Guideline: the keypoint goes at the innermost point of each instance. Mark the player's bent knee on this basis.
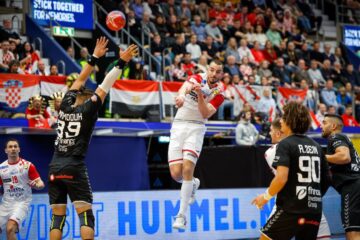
(87, 219)
(57, 222)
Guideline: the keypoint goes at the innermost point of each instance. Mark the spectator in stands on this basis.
(224, 29)
(305, 53)
(297, 37)
(6, 56)
(147, 26)
(193, 48)
(244, 51)
(209, 49)
(236, 30)
(138, 9)
(348, 118)
(343, 99)
(257, 53)
(213, 31)
(245, 132)
(326, 69)
(14, 67)
(138, 72)
(266, 103)
(14, 49)
(300, 74)
(188, 66)
(174, 27)
(228, 14)
(327, 53)
(288, 22)
(229, 98)
(282, 49)
(203, 12)
(264, 70)
(175, 72)
(157, 48)
(328, 94)
(54, 70)
(282, 73)
(7, 32)
(232, 50)
(185, 28)
(231, 67)
(54, 107)
(315, 53)
(322, 110)
(70, 51)
(36, 109)
(41, 71)
(315, 74)
(161, 27)
(202, 64)
(28, 57)
(352, 77)
(198, 29)
(84, 54)
(184, 10)
(303, 22)
(291, 55)
(260, 36)
(311, 95)
(245, 68)
(307, 10)
(337, 75)
(152, 8)
(179, 48)
(134, 25)
(339, 57)
(269, 52)
(248, 30)
(273, 35)
(170, 8)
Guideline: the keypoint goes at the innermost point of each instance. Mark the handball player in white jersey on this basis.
(276, 137)
(198, 99)
(17, 176)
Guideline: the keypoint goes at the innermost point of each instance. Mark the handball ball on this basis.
(115, 20)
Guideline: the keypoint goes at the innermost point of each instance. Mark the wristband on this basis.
(121, 64)
(267, 195)
(93, 60)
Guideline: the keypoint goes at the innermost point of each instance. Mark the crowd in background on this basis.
(261, 43)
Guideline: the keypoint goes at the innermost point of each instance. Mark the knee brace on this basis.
(87, 219)
(57, 222)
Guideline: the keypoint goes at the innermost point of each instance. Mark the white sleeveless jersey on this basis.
(270, 156)
(190, 111)
(15, 180)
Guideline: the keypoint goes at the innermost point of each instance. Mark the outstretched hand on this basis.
(101, 47)
(129, 53)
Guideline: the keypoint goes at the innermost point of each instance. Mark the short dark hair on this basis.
(11, 140)
(276, 123)
(297, 117)
(337, 118)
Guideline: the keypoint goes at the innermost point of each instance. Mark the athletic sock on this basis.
(185, 194)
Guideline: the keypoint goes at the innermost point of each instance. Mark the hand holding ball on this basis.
(115, 20)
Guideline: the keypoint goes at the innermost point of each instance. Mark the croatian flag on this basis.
(132, 98)
(289, 94)
(16, 90)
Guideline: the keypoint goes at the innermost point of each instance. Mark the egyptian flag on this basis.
(134, 98)
(51, 84)
(169, 92)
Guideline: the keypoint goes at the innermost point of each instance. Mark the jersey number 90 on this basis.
(70, 131)
(310, 169)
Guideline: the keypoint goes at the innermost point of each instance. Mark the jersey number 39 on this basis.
(70, 131)
(310, 169)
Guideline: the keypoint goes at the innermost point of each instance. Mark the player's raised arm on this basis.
(99, 51)
(111, 77)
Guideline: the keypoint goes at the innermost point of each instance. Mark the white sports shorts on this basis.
(186, 140)
(14, 211)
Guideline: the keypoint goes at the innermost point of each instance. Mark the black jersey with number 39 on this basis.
(74, 128)
(307, 169)
(344, 172)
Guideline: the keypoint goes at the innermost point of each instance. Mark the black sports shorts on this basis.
(350, 206)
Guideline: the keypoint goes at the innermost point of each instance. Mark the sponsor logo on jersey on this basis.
(355, 167)
(301, 192)
(4, 167)
(6, 180)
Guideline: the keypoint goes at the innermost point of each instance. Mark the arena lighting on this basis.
(145, 133)
(13, 130)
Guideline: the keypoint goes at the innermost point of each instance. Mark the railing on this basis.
(40, 45)
(61, 63)
(15, 17)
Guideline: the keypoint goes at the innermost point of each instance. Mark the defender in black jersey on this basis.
(75, 124)
(344, 164)
(300, 182)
